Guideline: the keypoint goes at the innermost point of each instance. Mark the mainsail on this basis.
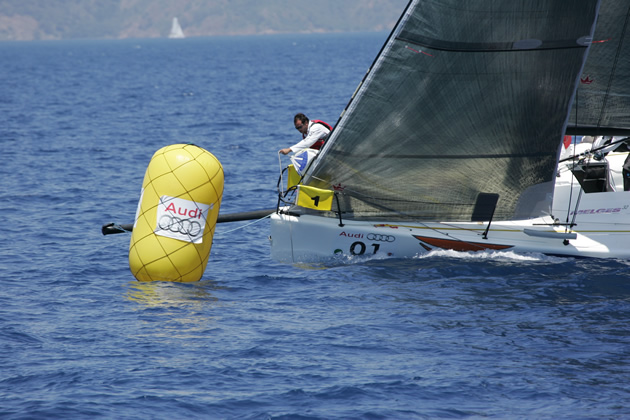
(603, 95)
(176, 30)
(466, 100)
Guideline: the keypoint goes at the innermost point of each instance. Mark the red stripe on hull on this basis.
(459, 245)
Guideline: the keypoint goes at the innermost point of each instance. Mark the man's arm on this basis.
(316, 132)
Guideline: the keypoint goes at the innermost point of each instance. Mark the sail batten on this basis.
(470, 156)
(438, 122)
(525, 44)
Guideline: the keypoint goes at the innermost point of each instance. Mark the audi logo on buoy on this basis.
(179, 225)
(380, 238)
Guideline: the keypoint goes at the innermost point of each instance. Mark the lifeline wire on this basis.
(263, 218)
(244, 226)
(280, 165)
(573, 163)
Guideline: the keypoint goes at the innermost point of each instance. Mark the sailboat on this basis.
(455, 139)
(176, 30)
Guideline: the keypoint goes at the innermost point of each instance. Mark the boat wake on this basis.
(492, 255)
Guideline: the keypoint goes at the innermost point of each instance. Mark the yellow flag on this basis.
(294, 177)
(314, 198)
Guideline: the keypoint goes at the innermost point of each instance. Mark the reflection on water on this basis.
(175, 312)
(168, 294)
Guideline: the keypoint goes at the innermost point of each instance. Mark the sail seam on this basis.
(502, 156)
(491, 46)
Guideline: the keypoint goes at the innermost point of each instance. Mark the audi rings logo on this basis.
(179, 225)
(380, 238)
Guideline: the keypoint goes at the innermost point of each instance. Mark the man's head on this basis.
(301, 123)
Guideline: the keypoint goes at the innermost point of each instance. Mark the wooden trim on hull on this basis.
(456, 245)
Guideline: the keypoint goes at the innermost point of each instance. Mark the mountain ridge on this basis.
(120, 19)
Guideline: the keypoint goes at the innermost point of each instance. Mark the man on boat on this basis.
(314, 133)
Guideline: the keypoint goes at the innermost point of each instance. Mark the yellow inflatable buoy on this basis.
(177, 214)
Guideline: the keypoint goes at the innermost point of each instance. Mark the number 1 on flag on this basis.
(314, 198)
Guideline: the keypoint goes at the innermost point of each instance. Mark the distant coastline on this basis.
(20, 21)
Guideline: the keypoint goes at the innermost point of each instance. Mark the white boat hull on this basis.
(600, 228)
(309, 238)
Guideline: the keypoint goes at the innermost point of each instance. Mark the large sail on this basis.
(603, 96)
(466, 100)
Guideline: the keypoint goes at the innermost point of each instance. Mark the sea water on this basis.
(447, 335)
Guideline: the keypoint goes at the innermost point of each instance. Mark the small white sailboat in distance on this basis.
(176, 30)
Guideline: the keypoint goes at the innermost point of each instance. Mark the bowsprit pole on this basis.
(113, 228)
